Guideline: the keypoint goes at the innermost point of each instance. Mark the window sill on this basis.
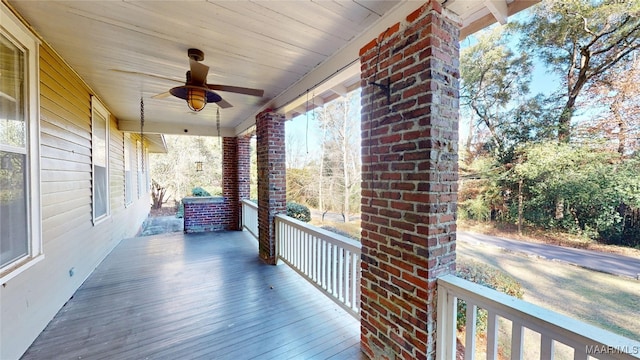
(16, 269)
(101, 219)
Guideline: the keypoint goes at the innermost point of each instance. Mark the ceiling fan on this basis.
(197, 92)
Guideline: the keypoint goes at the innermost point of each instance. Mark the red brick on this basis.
(412, 174)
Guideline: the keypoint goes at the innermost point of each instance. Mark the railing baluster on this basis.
(325, 263)
(517, 338)
(329, 261)
(470, 343)
(446, 325)
(580, 354)
(334, 270)
(355, 281)
(492, 336)
(546, 347)
(339, 274)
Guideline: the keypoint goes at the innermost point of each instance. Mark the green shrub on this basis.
(298, 211)
(485, 275)
(198, 191)
(474, 209)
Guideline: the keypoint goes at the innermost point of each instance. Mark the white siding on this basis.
(71, 241)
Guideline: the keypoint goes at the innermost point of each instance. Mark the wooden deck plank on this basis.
(196, 296)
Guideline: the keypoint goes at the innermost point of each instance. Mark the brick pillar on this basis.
(230, 184)
(271, 180)
(244, 167)
(409, 181)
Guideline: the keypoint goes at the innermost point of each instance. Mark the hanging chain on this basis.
(218, 126)
(142, 132)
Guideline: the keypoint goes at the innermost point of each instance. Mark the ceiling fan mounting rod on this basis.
(195, 54)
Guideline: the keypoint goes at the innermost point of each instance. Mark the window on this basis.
(128, 176)
(20, 238)
(100, 158)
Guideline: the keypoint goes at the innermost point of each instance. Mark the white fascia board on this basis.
(175, 129)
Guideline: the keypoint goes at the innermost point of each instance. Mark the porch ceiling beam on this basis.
(340, 90)
(168, 128)
(346, 59)
(499, 10)
(480, 23)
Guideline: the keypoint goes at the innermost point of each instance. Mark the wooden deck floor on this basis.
(198, 296)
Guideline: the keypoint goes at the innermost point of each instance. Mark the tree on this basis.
(339, 121)
(494, 82)
(619, 123)
(581, 40)
(176, 170)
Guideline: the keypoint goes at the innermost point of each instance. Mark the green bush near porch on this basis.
(298, 212)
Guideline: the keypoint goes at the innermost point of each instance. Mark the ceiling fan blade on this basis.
(198, 72)
(161, 95)
(147, 74)
(223, 104)
(236, 89)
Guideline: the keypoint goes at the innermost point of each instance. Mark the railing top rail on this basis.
(250, 203)
(331, 237)
(509, 307)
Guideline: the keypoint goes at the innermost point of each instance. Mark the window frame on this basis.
(13, 29)
(98, 108)
(128, 164)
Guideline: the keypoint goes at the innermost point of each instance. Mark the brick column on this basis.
(230, 179)
(244, 167)
(271, 180)
(236, 162)
(409, 181)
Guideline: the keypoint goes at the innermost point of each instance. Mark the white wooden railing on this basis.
(329, 261)
(585, 341)
(250, 217)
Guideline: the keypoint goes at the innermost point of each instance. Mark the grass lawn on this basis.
(603, 300)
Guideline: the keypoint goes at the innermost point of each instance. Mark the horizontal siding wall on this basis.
(70, 239)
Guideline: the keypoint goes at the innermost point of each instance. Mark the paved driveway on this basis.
(594, 260)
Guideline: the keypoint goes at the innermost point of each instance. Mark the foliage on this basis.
(513, 169)
(581, 176)
(302, 186)
(198, 191)
(488, 276)
(298, 211)
(580, 40)
(176, 169)
(493, 76)
(618, 122)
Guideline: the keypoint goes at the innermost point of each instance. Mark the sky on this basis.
(542, 82)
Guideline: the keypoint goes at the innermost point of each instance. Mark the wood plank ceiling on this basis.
(132, 48)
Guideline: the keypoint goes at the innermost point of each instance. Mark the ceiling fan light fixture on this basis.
(196, 97)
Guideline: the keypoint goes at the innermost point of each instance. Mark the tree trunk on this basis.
(520, 207)
(622, 130)
(559, 208)
(345, 170)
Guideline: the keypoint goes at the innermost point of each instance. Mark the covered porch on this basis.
(209, 295)
(188, 296)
